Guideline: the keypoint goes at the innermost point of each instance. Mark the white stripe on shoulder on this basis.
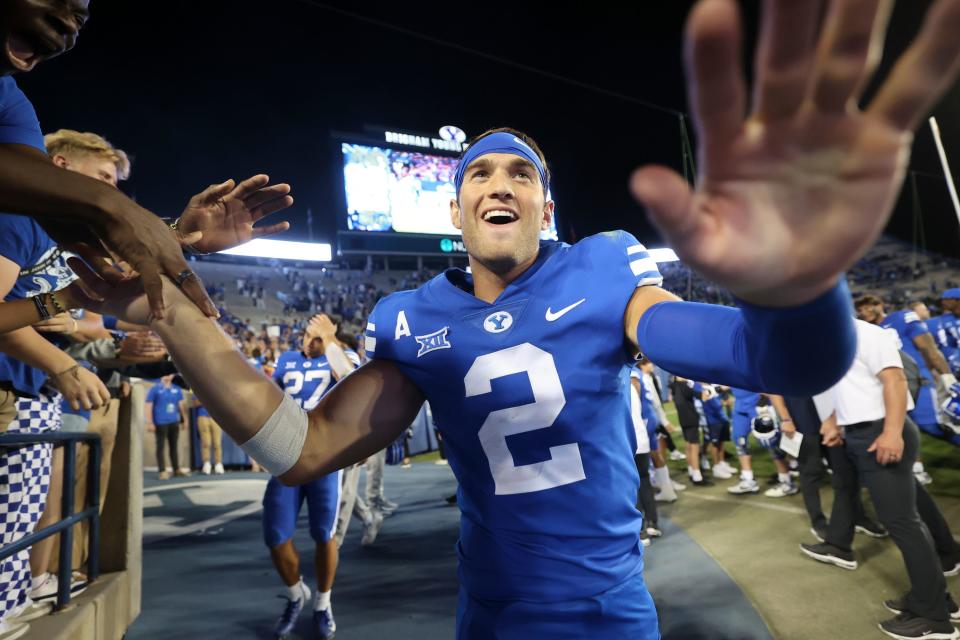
(643, 265)
(370, 345)
(637, 248)
(371, 327)
(651, 280)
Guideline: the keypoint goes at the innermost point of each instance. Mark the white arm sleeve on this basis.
(340, 364)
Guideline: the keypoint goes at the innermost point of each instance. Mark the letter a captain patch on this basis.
(433, 341)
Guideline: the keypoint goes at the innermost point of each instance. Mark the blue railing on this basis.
(65, 525)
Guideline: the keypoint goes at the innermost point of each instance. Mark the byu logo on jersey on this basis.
(433, 341)
(498, 322)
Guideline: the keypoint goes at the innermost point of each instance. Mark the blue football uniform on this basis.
(946, 331)
(530, 393)
(907, 325)
(647, 411)
(306, 380)
(744, 411)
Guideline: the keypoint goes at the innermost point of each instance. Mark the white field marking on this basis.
(757, 504)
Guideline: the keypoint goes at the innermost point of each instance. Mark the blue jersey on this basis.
(305, 379)
(166, 403)
(712, 406)
(43, 268)
(647, 410)
(745, 401)
(18, 120)
(907, 325)
(530, 393)
(946, 331)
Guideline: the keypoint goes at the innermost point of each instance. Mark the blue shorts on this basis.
(281, 506)
(717, 432)
(625, 612)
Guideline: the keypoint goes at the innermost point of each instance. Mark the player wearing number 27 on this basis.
(525, 362)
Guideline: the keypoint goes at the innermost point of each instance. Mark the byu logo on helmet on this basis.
(498, 322)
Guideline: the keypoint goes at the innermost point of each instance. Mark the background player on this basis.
(307, 375)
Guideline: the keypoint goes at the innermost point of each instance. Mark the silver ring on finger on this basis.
(183, 276)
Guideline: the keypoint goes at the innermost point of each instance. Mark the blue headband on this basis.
(502, 142)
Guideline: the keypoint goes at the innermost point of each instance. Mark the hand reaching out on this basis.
(791, 194)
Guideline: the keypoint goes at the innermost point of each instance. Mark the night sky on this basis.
(202, 90)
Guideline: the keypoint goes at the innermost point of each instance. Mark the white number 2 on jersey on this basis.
(293, 383)
(565, 465)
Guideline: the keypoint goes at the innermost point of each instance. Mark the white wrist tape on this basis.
(279, 443)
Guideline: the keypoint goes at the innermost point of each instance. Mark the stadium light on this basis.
(665, 254)
(283, 250)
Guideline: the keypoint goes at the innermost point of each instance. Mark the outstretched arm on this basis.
(360, 416)
(795, 183)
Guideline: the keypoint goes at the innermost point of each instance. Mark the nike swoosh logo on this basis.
(551, 316)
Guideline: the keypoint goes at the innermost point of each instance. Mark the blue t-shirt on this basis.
(530, 393)
(43, 268)
(907, 325)
(18, 120)
(166, 403)
(713, 411)
(306, 379)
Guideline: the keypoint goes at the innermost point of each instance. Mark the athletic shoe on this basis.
(206, 469)
(13, 630)
(820, 533)
(182, 473)
(678, 486)
(323, 624)
(701, 483)
(218, 469)
(387, 504)
(951, 566)
(654, 531)
(676, 455)
(744, 486)
(371, 528)
(871, 528)
(644, 538)
(441, 461)
(164, 475)
(659, 497)
(288, 619)
(47, 590)
(721, 472)
(782, 490)
(896, 606)
(405, 465)
(727, 467)
(830, 554)
(923, 478)
(907, 626)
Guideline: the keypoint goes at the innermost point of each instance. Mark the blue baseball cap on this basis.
(951, 294)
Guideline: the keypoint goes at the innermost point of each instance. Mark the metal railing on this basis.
(65, 525)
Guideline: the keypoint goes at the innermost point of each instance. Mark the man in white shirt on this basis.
(864, 418)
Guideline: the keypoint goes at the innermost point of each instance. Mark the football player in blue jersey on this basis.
(525, 360)
(915, 340)
(745, 410)
(306, 375)
(717, 430)
(943, 328)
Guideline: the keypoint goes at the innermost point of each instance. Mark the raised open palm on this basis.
(793, 193)
(225, 213)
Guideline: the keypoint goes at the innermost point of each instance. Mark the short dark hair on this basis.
(868, 299)
(520, 134)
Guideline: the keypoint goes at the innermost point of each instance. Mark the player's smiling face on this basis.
(32, 31)
(501, 211)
